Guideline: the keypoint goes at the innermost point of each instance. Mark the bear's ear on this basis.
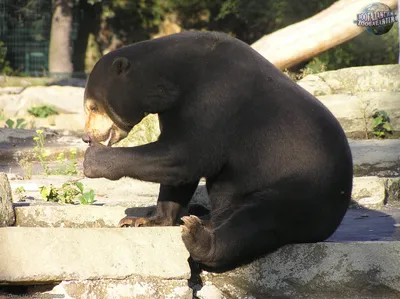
(121, 65)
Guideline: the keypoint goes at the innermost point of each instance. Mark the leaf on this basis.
(44, 192)
(88, 197)
(9, 123)
(79, 185)
(20, 121)
(377, 121)
(82, 199)
(387, 127)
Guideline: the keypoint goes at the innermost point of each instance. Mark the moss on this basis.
(146, 131)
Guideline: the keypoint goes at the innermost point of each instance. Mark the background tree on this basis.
(60, 50)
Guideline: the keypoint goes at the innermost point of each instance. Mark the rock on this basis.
(209, 291)
(322, 270)
(65, 99)
(11, 90)
(74, 122)
(141, 287)
(371, 157)
(393, 190)
(349, 109)
(57, 254)
(315, 85)
(146, 131)
(7, 216)
(21, 135)
(71, 216)
(356, 79)
(369, 191)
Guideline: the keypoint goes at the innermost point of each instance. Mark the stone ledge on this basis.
(322, 270)
(69, 216)
(139, 287)
(29, 255)
(372, 192)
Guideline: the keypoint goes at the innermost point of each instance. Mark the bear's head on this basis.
(124, 86)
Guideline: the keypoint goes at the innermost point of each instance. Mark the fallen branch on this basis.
(306, 39)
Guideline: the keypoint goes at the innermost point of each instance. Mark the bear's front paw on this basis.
(96, 163)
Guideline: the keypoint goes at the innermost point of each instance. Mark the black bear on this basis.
(277, 163)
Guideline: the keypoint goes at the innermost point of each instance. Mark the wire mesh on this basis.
(25, 30)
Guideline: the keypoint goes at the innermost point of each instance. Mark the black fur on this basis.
(277, 162)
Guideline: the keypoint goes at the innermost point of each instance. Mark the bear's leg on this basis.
(249, 232)
(171, 200)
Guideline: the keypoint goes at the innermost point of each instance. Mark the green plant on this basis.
(26, 163)
(49, 193)
(40, 152)
(86, 198)
(42, 111)
(19, 124)
(381, 124)
(20, 191)
(68, 193)
(67, 166)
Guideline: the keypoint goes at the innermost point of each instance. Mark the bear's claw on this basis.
(192, 224)
(133, 222)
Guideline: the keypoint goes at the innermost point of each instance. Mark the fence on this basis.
(25, 31)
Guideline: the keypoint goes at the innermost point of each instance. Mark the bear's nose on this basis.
(86, 138)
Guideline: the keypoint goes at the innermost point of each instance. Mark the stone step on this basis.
(323, 270)
(140, 262)
(31, 255)
(116, 199)
(376, 157)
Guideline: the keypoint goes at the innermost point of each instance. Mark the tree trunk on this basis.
(299, 42)
(89, 23)
(60, 62)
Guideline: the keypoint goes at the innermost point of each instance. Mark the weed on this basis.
(49, 193)
(67, 166)
(68, 193)
(363, 110)
(20, 124)
(381, 124)
(26, 163)
(20, 191)
(42, 111)
(86, 198)
(39, 151)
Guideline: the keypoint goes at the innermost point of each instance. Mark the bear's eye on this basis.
(93, 108)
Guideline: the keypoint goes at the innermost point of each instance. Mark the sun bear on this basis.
(277, 164)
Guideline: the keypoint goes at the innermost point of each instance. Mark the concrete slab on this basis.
(361, 224)
(69, 216)
(127, 288)
(47, 254)
(322, 270)
(136, 196)
(376, 157)
(7, 215)
(349, 109)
